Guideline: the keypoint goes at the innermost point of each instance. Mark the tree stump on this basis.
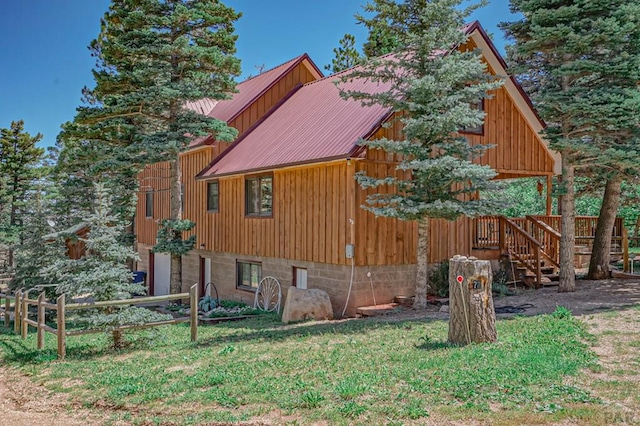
(472, 317)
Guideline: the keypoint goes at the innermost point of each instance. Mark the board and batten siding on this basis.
(517, 152)
(309, 220)
(155, 177)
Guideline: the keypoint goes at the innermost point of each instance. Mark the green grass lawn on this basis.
(365, 371)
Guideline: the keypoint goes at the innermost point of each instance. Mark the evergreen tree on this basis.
(580, 60)
(152, 58)
(38, 248)
(382, 38)
(346, 55)
(433, 89)
(102, 272)
(19, 160)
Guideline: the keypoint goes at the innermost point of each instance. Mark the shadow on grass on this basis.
(270, 328)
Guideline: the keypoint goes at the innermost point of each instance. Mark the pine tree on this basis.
(102, 272)
(580, 61)
(36, 252)
(19, 160)
(382, 38)
(434, 87)
(346, 55)
(152, 58)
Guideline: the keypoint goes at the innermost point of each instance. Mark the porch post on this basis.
(549, 189)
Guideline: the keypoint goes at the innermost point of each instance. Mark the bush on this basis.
(439, 279)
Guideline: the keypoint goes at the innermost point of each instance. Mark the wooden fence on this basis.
(21, 303)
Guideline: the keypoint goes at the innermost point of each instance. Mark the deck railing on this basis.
(548, 237)
(521, 246)
(547, 230)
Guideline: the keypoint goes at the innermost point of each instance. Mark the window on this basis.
(182, 197)
(249, 275)
(479, 129)
(148, 201)
(258, 196)
(300, 277)
(212, 196)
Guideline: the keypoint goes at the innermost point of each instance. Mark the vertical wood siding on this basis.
(518, 151)
(155, 177)
(308, 222)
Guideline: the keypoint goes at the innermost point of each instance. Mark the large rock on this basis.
(306, 304)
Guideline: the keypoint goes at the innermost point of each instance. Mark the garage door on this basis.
(161, 274)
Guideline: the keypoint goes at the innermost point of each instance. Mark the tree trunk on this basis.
(601, 251)
(176, 214)
(118, 339)
(471, 314)
(13, 218)
(422, 277)
(567, 275)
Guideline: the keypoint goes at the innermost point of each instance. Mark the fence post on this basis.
(625, 249)
(41, 300)
(62, 332)
(7, 307)
(24, 314)
(193, 306)
(16, 312)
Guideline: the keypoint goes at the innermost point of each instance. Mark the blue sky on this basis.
(45, 63)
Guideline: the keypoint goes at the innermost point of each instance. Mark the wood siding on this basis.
(309, 220)
(518, 151)
(155, 177)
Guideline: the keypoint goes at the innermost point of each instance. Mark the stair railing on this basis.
(549, 238)
(522, 246)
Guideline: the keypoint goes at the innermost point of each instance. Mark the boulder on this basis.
(306, 304)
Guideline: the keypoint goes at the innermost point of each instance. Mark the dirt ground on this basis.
(25, 403)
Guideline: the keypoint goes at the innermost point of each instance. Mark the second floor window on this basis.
(148, 201)
(479, 129)
(212, 196)
(259, 196)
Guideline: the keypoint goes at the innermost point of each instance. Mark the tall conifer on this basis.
(434, 88)
(580, 61)
(153, 57)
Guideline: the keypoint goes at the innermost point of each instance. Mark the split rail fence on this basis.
(21, 303)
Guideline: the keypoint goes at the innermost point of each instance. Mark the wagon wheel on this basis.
(268, 295)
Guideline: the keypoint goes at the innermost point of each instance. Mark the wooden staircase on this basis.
(532, 243)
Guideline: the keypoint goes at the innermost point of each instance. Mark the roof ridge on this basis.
(468, 28)
(272, 69)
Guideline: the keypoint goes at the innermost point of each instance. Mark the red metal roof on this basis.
(251, 89)
(247, 92)
(314, 124)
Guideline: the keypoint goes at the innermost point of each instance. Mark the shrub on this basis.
(439, 279)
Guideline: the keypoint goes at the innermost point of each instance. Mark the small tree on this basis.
(433, 88)
(346, 55)
(19, 160)
(37, 251)
(102, 272)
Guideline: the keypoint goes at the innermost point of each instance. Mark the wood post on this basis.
(24, 314)
(193, 306)
(40, 319)
(16, 312)
(549, 202)
(538, 261)
(625, 248)
(7, 307)
(472, 317)
(62, 331)
(502, 236)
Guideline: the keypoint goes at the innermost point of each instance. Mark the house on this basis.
(254, 98)
(282, 199)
